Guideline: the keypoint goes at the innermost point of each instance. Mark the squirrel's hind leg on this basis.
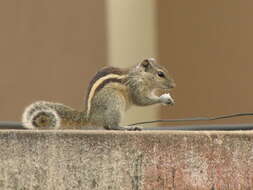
(107, 110)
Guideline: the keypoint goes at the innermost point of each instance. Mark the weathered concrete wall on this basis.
(107, 160)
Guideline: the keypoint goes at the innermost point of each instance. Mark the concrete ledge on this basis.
(101, 160)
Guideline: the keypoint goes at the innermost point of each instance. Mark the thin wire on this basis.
(11, 125)
(193, 119)
(18, 125)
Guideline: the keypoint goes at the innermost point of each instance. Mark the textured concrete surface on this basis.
(108, 160)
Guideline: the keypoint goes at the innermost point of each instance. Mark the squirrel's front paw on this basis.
(133, 128)
(167, 99)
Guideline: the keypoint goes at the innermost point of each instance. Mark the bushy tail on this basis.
(49, 115)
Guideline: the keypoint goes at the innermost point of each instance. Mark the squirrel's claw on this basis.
(133, 128)
(125, 128)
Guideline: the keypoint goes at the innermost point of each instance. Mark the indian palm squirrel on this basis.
(110, 93)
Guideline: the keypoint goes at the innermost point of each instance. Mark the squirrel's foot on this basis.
(133, 128)
(126, 128)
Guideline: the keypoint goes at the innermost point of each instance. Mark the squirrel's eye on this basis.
(160, 74)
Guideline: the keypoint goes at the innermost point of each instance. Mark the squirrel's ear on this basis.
(147, 63)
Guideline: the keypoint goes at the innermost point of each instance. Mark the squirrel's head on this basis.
(156, 75)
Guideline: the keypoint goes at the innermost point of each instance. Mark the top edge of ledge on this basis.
(146, 132)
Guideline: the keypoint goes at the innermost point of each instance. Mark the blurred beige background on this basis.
(208, 47)
(50, 49)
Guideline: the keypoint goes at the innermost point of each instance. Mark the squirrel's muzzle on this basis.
(171, 83)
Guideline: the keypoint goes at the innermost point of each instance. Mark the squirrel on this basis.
(110, 93)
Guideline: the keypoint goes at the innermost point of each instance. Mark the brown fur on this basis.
(103, 72)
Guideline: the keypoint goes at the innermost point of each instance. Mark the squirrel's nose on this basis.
(172, 84)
